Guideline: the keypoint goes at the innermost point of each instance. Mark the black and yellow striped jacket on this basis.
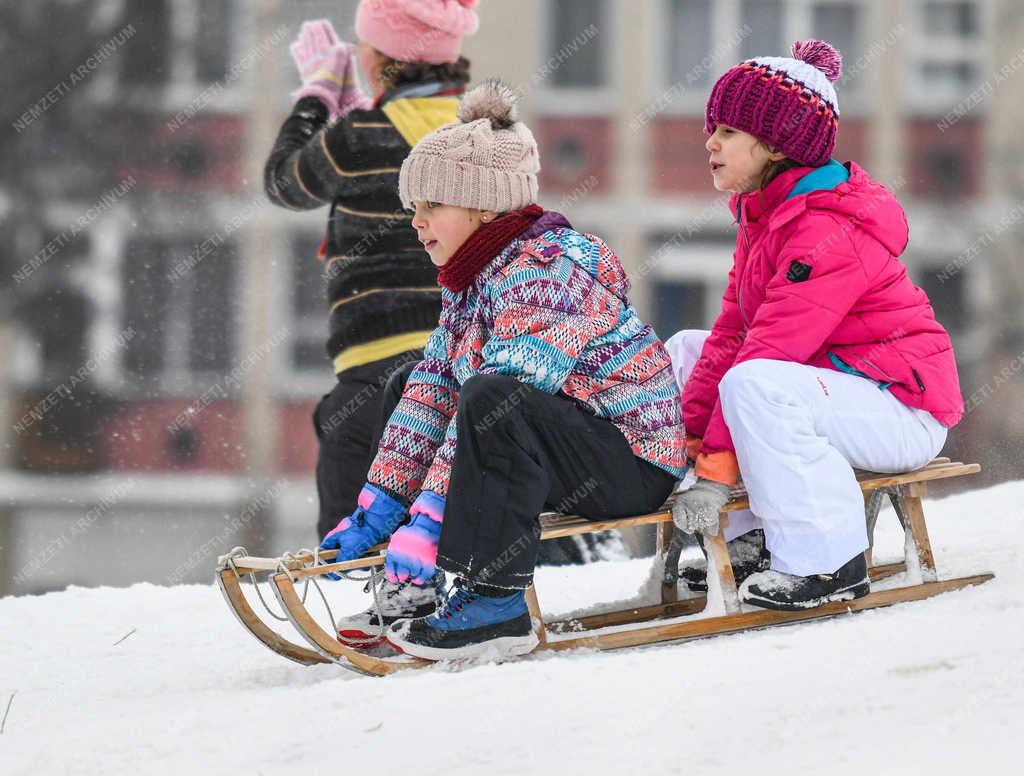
(381, 287)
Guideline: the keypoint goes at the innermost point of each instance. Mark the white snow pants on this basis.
(798, 431)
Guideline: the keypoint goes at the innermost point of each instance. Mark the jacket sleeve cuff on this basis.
(693, 444)
(719, 467)
(430, 504)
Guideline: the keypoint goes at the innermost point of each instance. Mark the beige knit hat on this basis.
(487, 160)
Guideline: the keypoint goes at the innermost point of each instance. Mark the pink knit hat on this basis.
(787, 103)
(487, 160)
(417, 30)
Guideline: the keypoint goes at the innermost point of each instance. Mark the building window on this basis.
(679, 304)
(764, 18)
(213, 39)
(688, 35)
(308, 306)
(699, 40)
(147, 58)
(839, 24)
(950, 77)
(577, 49)
(179, 303)
(688, 277)
(948, 54)
(947, 293)
(950, 19)
(945, 163)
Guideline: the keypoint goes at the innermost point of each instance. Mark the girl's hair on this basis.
(395, 73)
(775, 168)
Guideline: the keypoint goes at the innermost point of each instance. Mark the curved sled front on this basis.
(326, 644)
(230, 585)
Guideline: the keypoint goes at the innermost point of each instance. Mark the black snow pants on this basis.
(520, 452)
(348, 424)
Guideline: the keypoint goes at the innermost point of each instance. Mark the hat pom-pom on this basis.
(490, 100)
(821, 55)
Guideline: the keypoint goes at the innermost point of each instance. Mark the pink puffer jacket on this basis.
(818, 274)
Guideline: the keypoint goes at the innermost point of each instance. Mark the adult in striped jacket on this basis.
(338, 148)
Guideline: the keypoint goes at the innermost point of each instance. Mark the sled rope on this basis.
(372, 587)
(241, 552)
(270, 611)
(305, 587)
(282, 565)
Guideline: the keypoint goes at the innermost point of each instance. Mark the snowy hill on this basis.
(930, 687)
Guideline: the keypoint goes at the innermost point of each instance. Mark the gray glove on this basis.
(697, 509)
(694, 510)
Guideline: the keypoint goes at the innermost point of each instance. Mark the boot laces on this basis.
(455, 602)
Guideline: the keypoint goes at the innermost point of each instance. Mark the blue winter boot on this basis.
(469, 625)
(375, 519)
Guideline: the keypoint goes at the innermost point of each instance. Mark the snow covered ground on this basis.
(933, 687)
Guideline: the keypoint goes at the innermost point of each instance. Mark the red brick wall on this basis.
(931, 149)
(852, 142)
(296, 440)
(573, 150)
(137, 437)
(205, 153)
(679, 161)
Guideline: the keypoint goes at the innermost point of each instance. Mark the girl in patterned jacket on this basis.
(825, 356)
(540, 389)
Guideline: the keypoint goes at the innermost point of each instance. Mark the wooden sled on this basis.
(672, 619)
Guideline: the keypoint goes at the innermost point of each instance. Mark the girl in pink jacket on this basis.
(825, 355)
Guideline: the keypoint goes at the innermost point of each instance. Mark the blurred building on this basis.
(198, 307)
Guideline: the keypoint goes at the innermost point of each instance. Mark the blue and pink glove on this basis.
(412, 552)
(327, 68)
(375, 519)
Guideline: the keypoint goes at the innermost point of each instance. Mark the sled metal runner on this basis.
(719, 612)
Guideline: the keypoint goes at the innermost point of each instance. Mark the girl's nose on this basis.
(711, 144)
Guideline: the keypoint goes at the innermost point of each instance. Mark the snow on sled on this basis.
(671, 620)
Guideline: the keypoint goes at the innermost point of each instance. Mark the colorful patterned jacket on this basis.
(552, 311)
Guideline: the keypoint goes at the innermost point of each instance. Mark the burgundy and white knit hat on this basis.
(428, 31)
(487, 160)
(789, 103)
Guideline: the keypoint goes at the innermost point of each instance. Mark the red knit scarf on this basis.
(483, 245)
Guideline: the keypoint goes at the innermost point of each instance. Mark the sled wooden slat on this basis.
(669, 590)
(247, 563)
(673, 608)
(720, 566)
(538, 619)
(886, 570)
(922, 544)
(629, 616)
(555, 526)
(921, 475)
(758, 618)
(347, 565)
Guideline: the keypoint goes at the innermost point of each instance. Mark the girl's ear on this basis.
(776, 156)
(488, 215)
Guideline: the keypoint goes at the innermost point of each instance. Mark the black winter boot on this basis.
(790, 593)
(747, 553)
